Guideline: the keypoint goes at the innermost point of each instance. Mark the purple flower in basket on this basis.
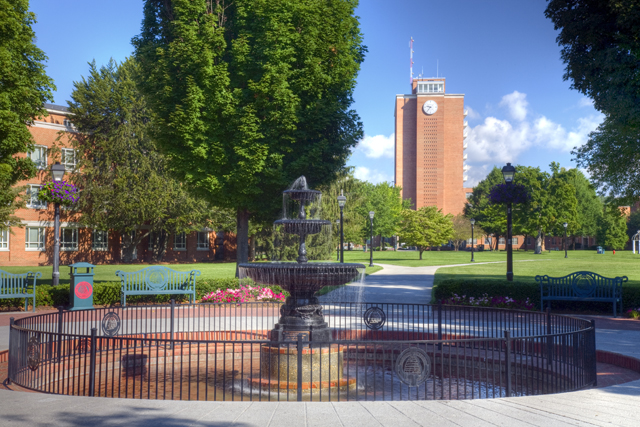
(61, 192)
(509, 193)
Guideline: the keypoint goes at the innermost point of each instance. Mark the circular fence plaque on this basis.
(413, 366)
(111, 324)
(33, 353)
(374, 318)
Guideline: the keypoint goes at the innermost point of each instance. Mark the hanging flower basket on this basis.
(61, 192)
(509, 193)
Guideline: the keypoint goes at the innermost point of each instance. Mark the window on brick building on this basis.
(68, 158)
(32, 197)
(430, 87)
(34, 239)
(514, 240)
(68, 239)
(501, 241)
(4, 240)
(180, 242)
(39, 156)
(99, 240)
(203, 240)
(528, 240)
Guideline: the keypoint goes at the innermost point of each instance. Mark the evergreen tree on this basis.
(125, 181)
(24, 88)
(251, 94)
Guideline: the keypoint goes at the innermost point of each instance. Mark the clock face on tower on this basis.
(430, 107)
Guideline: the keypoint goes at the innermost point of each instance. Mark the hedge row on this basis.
(108, 293)
(523, 290)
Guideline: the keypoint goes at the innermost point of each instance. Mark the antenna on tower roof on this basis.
(411, 65)
(437, 68)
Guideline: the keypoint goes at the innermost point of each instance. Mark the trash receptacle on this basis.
(600, 250)
(81, 289)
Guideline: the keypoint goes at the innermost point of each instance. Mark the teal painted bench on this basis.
(582, 286)
(157, 280)
(19, 286)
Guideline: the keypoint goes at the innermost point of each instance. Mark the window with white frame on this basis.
(514, 240)
(68, 158)
(34, 239)
(32, 197)
(180, 242)
(501, 241)
(203, 240)
(487, 240)
(430, 87)
(4, 240)
(68, 239)
(39, 156)
(99, 240)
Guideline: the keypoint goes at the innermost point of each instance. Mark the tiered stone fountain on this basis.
(301, 315)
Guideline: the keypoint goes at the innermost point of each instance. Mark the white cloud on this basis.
(585, 102)
(373, 176)
(516, 104)
(377, 146)
(472, 114)
(498, 141)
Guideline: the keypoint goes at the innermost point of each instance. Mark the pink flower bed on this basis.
(243, 294)
(487, 301)
(634, 313)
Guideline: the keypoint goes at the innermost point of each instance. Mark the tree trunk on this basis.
(242, 238)
(252, 248)
(381, 243)
(526, 248)
(421, 250)
(573, 238)
(159, 248)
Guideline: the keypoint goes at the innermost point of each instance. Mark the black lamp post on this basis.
(507, 173)
(57, 172)
(371, 213)
(338, 245)
(341, 202)
(473, 222)
(564, 224)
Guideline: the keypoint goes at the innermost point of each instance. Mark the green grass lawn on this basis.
(412, 258)
(623, 263)
(107, 273)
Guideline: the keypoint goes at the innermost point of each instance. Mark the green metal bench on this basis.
(19, 286)
(582, 286)
(157, 280)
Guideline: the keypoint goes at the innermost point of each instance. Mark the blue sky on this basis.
(501, 54)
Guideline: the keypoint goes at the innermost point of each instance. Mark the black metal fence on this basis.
(380, 352)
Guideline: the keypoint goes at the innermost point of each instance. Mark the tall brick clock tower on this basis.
(430, 131)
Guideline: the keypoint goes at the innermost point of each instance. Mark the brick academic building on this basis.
(33, 243)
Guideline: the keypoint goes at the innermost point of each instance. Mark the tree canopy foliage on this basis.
(612, 230)
(24, 88)
(251, 94)
(601, 50)
(425, 227)
(125, 181)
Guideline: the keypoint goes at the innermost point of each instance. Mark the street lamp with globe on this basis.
(371, 213)
(473, 222)
(564, 224)
(342, 200)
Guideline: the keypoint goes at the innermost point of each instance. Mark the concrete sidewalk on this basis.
(616, 405)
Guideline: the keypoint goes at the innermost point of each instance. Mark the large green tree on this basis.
(425, 227)
(251, 94)
(612, 230)
(489, 217)
(385, 201)
(24, 88)
(601, 50)
(125, 181)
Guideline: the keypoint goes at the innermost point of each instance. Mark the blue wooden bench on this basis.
(582, 286)
(157, 280)
(19, 286)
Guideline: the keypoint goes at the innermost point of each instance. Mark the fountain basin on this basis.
(301, 278)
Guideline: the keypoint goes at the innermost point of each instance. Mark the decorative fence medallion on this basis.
(374, 318)
(33, 353)
(111, 324)
(413, 366)
(584, 285)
